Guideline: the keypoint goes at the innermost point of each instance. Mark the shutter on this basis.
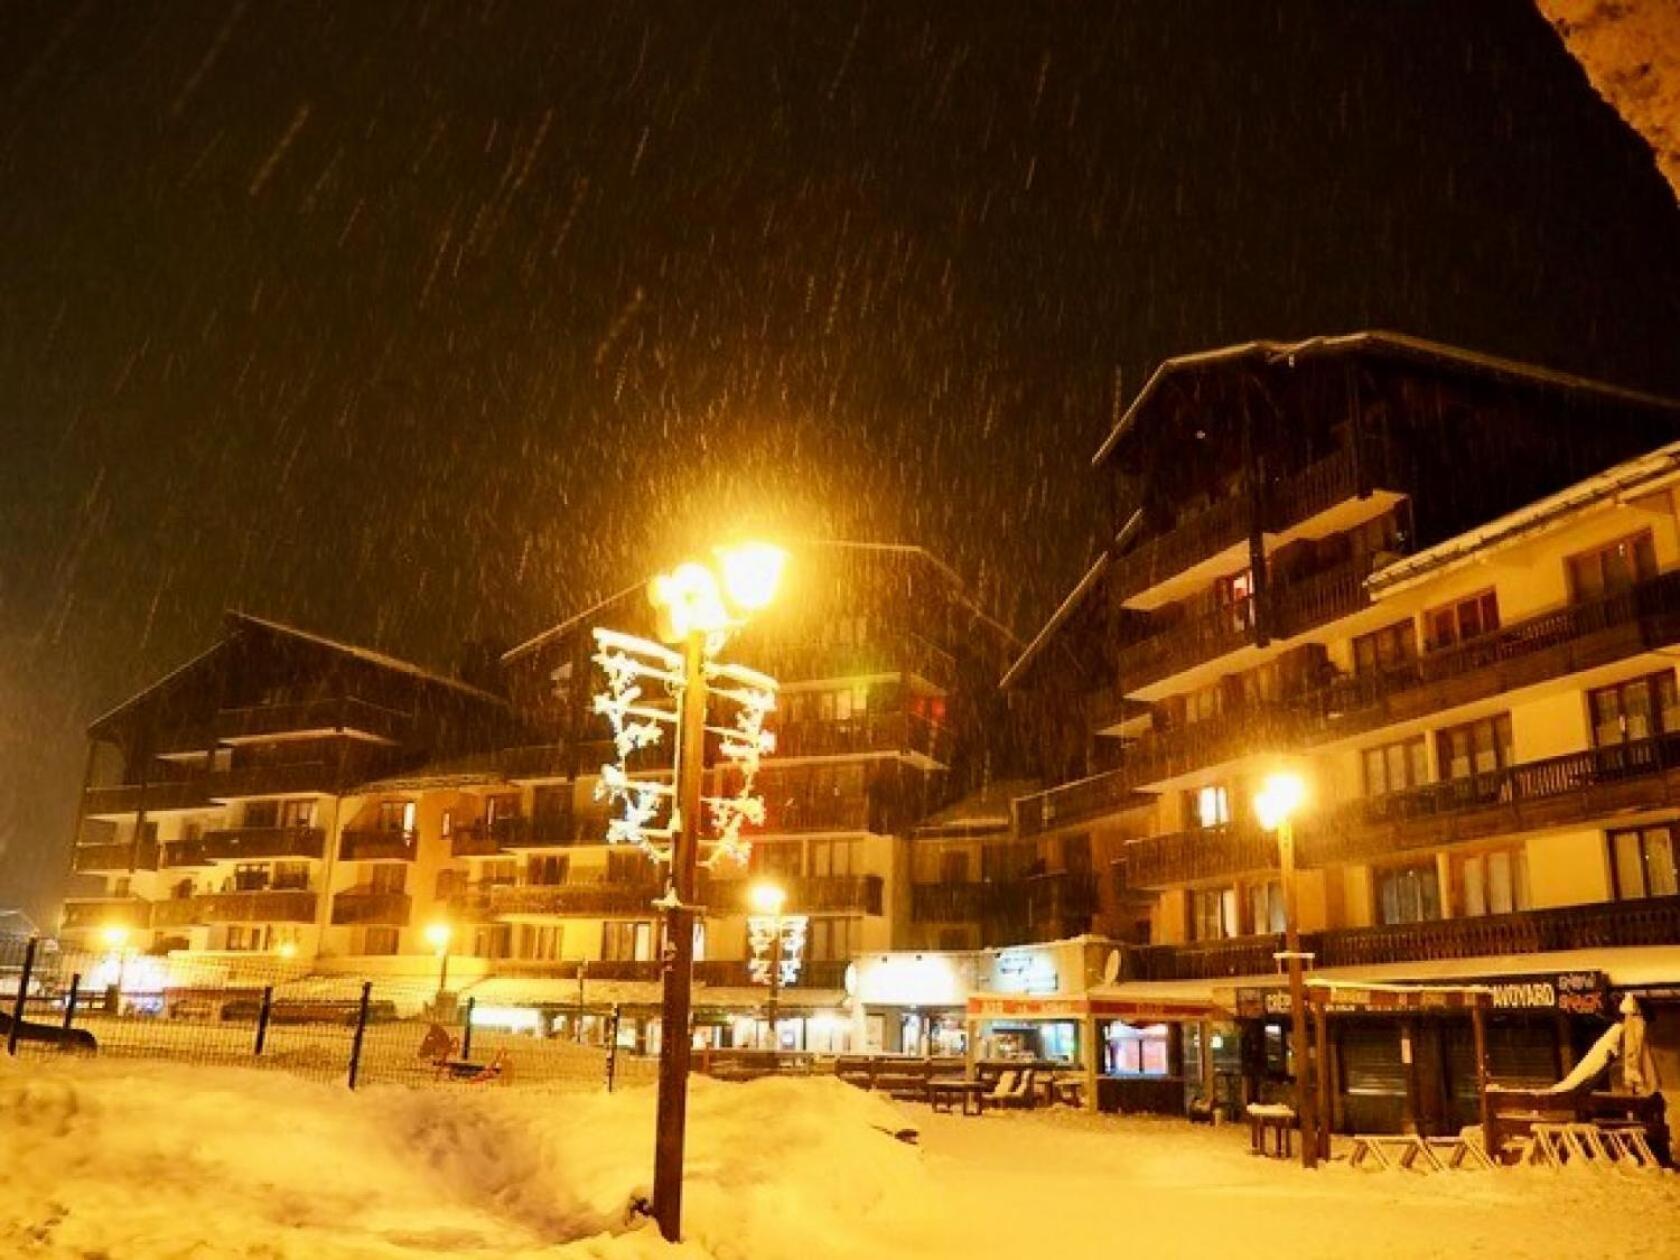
(1371, 1062)
(1522, 1053)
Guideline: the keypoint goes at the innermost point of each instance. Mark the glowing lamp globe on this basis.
(437, 936)
(751, 573)
(1280, 796)
(115, 936)
(767, 898)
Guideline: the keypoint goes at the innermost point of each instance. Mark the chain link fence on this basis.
(268, 1012)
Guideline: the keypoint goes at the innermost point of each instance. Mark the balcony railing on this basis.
(906, 653)
(271, 905)
(239, 844)
(1039, 907)
(591, 899)
(951, 902)
(837, 813)
(273, 780)
(81, 913)
(330, 714)
(127, 798)
(93, 859)
(1161, 861)
(1075, 802)
(1605, 925)
(376, 845)
(1176, 646)
(1594, 784)
(1194, 539)
(812, 894)
(371, 906)
(874, 733)
(473, 840)
(1608, 925)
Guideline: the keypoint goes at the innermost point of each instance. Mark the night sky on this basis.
(419, 323)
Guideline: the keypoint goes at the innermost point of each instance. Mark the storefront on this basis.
(1408, 1063)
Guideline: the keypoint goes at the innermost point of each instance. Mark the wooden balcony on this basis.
(274, 780)
(84, 913)
(584, 900)
(1176, 646)
(1606, 925)
(319, 717)
(889, 654)
(247, 844)
(1293, 501)
(473, 840)
(1557, 791)
(96, 859)
(805, 814)
(951, 903)
(1075, 803)
(128, 798)
(371, 907)
(375, 845)
(903, 733)
(810, 894)
(270, 905)
(1185, 856)
(1044, 907)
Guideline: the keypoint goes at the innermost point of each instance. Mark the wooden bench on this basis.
(1276, 1119)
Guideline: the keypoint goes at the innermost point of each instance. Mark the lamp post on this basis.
(1280, 796)
(768, 899)
(116, 939)
(697, 606)
(438, 936)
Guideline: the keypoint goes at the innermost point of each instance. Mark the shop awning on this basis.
(1139, 1002)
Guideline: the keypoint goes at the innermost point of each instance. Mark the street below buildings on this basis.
(146, 1160)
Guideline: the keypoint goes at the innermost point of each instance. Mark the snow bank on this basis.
(134, 1161)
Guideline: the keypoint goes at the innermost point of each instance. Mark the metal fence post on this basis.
(22, 996)
(361, 1030)
(70, 1000)
(466, 1031)
(264, 1011)
(612, 1046)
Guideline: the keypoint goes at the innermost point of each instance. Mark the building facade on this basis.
(1442, 589)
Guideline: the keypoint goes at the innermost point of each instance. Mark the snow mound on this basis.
(134, 1161)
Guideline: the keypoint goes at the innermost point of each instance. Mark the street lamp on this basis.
(1275, 805)
(767, 899)
(437, 936)
(698, 605)
(115, 936)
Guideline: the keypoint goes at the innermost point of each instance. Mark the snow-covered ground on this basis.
(132, 1161)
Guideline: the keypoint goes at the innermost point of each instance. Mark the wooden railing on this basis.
(1161, 861)
(375, 844)
(1206, 960)
(127, 798)
(330, 714)
(101, 912)
(371, 906)
(1318, 599)
(1577, 786)
(572, 899)
(890, 732)
(806, 894)
(1075, 802)
(1179, 645)
(901, 653)
(833, 813)
(273, 780)
(93, 859)
(950, 902)
(1194, 539)
(288, 905)
(472, 840)
(237, 844)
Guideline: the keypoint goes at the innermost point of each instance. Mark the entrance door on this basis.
(1373, 1083)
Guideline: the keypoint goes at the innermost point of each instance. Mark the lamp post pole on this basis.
(1297, 994)
(775, 978)
(675, 1045)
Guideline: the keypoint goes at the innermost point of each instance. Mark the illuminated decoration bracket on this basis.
(648, 816)
(761, 936)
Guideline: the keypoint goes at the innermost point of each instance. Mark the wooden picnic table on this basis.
(970, 1095)
(1276, 1119)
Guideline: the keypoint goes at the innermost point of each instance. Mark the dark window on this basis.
(1408, 894)
(1386, 648)
(1642, 862)
(1595, 574)
(1479, 747)
(1462, 621)
(1396, 767)
(1633, 710)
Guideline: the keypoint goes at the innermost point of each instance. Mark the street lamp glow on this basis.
(751, 573)
(287, 949)
(437, 936)
(767, 898)
(115, 936)
(1278, 799)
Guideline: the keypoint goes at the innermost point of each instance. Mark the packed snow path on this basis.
(133, 1161)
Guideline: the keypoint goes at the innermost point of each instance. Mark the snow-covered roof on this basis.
(1637, 476)
(236, 618)
(155, 687)
(1065, 610)
(1392, 342)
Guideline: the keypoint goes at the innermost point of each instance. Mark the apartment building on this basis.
(1441, 587)
(285, 795)
(218, 808)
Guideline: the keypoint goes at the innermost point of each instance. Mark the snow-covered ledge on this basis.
(1631, 52)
